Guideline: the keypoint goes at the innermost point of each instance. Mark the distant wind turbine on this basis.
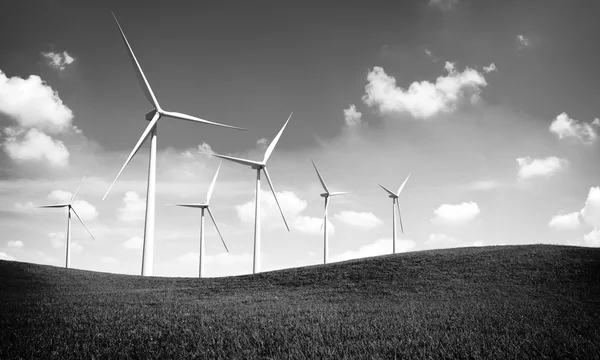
(395, 205)
(203, 207)
(325, 195)
(150, 131)
(70, 208)
(258, 166)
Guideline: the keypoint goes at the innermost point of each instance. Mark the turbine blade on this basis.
(275, 195)
(197, 206)
(138, 70)
(275, 140)
(76, 191)
(82, 223)
(135, 148)
(219, 231)
(234, 159)
(320, 177)
(387, 190)
(338, 193)
(52, 206)
(402, 186)
(399, 216)
(176, 115)
(212, 184)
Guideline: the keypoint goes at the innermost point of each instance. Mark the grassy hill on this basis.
(508, 302)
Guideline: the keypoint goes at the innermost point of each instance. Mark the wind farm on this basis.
(498, 250)
(151, 132)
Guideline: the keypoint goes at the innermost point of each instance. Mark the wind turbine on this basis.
(70, 208)
(150, 131)
(258, 166)
(395, 205)
(325, 195)
(203, 207)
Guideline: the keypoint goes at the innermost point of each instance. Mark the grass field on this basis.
(509, 302)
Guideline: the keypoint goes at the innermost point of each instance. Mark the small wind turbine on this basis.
(203, 207)
(395, 205)
(258, 166)
(70, 208)
(150, 131)
(325, 195)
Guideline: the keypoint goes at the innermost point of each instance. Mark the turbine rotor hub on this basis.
(151, 114)
(325, 195)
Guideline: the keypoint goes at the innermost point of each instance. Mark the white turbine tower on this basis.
(70, 208)
(258, 166)
(150, 131)
(395, 205)
(203, 207)
(326, 195)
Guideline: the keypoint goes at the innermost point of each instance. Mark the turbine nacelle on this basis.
(325, 195)
(150, 115)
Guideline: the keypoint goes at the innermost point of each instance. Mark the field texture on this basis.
(511, 302)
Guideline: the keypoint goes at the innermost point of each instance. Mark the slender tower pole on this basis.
(325, 243)
(201, 264)
(394, 224)
(148, 251)
(256, 262)
(68, 261)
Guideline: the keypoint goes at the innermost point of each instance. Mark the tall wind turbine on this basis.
(70, 208)
(150, 131)
(325, 195)
(395, 205)
(203, 207)
(258, 166)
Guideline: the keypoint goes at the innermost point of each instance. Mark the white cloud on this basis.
(5, 256)
(455, 214)
(490, 68)
(60, 196)
(523, 41)
(443, 5)
(565, 127)
(593, 238)
(133, 209)
(108, 260)
(32, 103)
(15, 244)
(364, 220)
(58, 240)
(205, 148)
(423, 99)
(352, 117)
(23, 207)
(529, 167)
(262, 141)
(565, 222)
(134, 243)
(291, 206)
(379, 247)
(440, 241)
(591, 210)
(57, 60)
(312, 225)
(33, 145)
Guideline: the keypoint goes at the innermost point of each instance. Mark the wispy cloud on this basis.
(364, 220)
(443, 5)
(58, 61)
(352, 117)
(523, 41)
(529, 168)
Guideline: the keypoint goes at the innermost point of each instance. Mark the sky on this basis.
(492, 107)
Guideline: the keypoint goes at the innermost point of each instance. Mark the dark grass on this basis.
(510, 302)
